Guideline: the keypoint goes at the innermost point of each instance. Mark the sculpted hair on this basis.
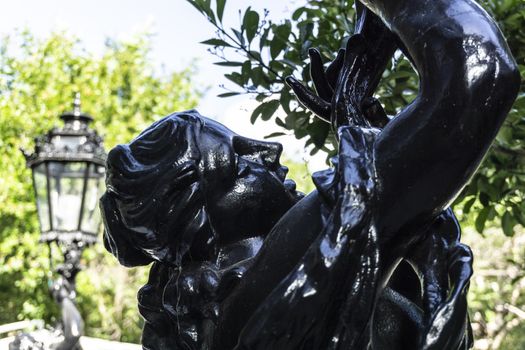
(154, 208)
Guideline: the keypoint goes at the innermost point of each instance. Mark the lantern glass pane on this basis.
(67, 184)
(42, 204)
(91, 215)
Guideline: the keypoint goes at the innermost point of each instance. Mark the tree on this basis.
(497, 292)
(262, 53)
(38, 78)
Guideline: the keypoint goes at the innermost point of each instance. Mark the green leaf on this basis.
(468, 205)
(264, 39)
(220, 9)
(484, 199)
(204, 6)
(401, 75)
(285, 100)
(256, 55)
(196, 4)
(274, 134)
(297, 13)
(239, 36)
(280, 122)
(507, 224)
(229, 64)
(276, 47)
(216, 42)
(519, 215)
(229, 94)
(318, 132)
(280, 39)
(481, 219)
(250, 24)
(258, 76)
(246, 70)
(265, 110)
(236, 78)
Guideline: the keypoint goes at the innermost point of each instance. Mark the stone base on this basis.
(87, 343)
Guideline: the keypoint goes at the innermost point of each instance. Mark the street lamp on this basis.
(68, 176)
(68, 167)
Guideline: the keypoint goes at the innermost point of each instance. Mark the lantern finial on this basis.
(76, 113)
(76, 104)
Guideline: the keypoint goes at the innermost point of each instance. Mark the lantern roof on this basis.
(75, 141)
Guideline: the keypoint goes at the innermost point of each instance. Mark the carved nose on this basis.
(268, 152)
(115, 157)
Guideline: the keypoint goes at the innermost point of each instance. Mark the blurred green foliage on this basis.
(497, 290)
(38, 78)
(299, 172)
(261, 53)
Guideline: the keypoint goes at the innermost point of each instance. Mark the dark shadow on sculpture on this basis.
(372, 258)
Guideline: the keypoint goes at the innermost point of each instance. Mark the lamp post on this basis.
(68, 166)
(68, 173)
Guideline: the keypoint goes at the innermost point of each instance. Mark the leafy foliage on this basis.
(496, 297)
(259, 62)
(497, 191)
(38, 78)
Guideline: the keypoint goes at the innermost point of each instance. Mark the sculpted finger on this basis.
(314, 103)
(332, 72)
(318, 75)
(355, 46)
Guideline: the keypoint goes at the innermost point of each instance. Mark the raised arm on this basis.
(468, 82)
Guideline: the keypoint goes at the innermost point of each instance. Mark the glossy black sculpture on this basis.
(372, 259)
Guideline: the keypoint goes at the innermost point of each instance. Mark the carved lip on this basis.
(281, 173)
(290, 185)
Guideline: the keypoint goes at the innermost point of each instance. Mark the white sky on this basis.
(178, 29)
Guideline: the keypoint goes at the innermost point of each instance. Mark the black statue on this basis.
(372, 259)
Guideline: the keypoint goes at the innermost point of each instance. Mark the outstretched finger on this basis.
(312, 102)
(332, 72)
(355, 46)
(318, 75)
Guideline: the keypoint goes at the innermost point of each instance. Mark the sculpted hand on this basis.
(335, 101)
(445, 266)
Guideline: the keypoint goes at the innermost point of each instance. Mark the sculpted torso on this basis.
(372, 258)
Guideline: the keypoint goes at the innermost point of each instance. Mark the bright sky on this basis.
(178, 29)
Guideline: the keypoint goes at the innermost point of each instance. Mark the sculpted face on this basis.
(246, 190)
(188, 184)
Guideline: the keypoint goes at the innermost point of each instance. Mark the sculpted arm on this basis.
(468, 82)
